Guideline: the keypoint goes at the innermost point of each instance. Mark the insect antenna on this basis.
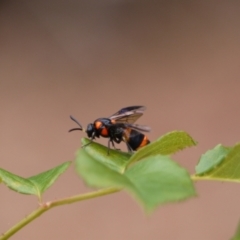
(80, 126)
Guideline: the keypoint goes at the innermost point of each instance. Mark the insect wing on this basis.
(141, 128)
(129, 109)
(128, 114)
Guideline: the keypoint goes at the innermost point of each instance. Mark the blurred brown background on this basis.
(91, 58)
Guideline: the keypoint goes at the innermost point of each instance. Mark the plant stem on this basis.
(48, 205)
(209, 178)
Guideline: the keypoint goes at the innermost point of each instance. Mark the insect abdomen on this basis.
(135, 139)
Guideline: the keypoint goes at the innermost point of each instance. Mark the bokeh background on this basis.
(89, 59)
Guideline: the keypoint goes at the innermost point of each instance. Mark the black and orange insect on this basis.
(119, 127)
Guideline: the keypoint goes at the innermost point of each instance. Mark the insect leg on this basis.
(110, 140)
(129, 147)
(91, 140)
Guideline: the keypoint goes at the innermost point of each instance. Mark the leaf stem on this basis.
(48, 205)
(209, 178)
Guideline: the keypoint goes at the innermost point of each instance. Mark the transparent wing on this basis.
(141, 128)
(128, 114)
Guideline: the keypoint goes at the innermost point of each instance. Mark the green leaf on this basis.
(211, 159)
(153, 181)
(34, 185)
(115, 160)
(16, 183)
(44, 180)
(226, 168)
(97, 173)
(160, 180)
(167, 144)
(237, 234)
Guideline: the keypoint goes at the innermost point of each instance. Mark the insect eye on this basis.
(90, 130)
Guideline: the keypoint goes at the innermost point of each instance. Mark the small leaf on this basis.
(16, 183)
(211, 159)
(34, 185)
(115, 160)
(227, 168)
(237, 234)
(97, 173)
(167, 144)
(153, 181)
(44, 180)
(160, 180)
